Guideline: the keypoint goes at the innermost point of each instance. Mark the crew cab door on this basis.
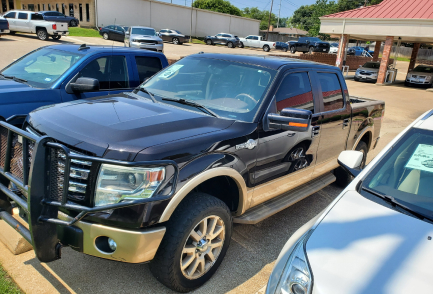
(276, 170)
(113, 73)
(22, 22)
(255, 42)
(334, 119)
(11, 17)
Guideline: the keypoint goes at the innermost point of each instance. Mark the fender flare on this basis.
(202, 177)
(361, 135)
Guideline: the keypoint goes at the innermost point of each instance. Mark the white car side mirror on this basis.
(350, 161)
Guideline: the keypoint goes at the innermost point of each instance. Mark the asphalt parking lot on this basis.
(253, 249)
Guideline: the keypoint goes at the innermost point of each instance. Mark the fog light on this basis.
(112, 244)
(298, 289)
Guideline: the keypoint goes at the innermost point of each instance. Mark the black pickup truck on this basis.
(309, 45)
(161, 173)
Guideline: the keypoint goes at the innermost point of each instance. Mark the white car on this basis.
(333, 49)
(256, 42)
(33, 22)
(377, 235)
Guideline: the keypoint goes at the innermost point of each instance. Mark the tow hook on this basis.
(59, 250)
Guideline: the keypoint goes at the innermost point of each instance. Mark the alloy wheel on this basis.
(175, 41)
(42, 35)
(202, 247)
(298, 157)
(105, 36)
(209, 42)
(73, 23)
(230, 45)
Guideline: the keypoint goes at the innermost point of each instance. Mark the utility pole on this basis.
(269, 22)
(279, 10)
(190, 34)
(365, 4)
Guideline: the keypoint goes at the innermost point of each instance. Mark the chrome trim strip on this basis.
(82, 162)
(77, 187)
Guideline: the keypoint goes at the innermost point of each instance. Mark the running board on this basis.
(271, 207)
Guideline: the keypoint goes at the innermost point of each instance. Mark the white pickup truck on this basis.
(33, 22)
(256, 42)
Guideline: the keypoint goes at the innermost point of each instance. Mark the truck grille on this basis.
(78, 176)
(148, 42)
(16, 163)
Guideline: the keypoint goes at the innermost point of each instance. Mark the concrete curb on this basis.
(12, 240)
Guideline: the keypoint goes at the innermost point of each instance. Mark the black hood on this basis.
(121, 125)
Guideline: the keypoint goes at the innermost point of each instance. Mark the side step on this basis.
(271, 207)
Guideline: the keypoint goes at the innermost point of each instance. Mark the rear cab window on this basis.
(147, 66)
(22, 15)
(36, 16)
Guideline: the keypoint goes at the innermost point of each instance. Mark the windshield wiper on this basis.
(405, 206)
(15, 78)
(148, 93)
(192, 103)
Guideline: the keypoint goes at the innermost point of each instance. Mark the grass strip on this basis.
(7, 285)
(83, 32)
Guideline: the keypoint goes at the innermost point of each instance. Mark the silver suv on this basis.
(144, 38)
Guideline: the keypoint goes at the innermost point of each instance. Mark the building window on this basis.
(43, 7)
(4, 6)
(49, 7)
(11, 4)
(57, 7)
(71, 9)
(31, 7)
(63, 8)
(87, 12)
(80, 10)
(39, 7)
(24, 7)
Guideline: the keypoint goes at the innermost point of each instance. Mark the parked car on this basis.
(229, 40)
(143, 38)
(309, 45)
(4, 26)
(257, 42)
(174, 36)
(60, 17)
(113, 32)
(281, 46)
(61, 73)
(333, 48)
(368, 71)
(33, 22)
(358, 51)
(233, 124)
(420, 75)
(375, 232)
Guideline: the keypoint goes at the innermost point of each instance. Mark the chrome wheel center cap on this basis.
(202, 245)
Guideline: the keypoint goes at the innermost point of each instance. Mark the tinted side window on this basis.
(35, 16)
(331, 91)
(295, 92)
(227, 36)
(255, 38)
(10, 15)
(111, 72)
(22, 15)
(147, 66)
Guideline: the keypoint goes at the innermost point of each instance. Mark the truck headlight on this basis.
(427, 78)
(118, 183)
(296, 278)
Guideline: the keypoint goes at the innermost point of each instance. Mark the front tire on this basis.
(209, 42)
(266, 48)
(311, 50)
(195, 243)
(292, 50)
(42, 34)
(343, 178)
(175, 41)
(105, 36)
(73, 23)
(230, 45)
(285, 49)
(241, 45)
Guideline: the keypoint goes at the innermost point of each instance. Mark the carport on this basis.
(409, 21)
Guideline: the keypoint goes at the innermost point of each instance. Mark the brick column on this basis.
(341, 54)
(385, 60)
(413, 56)
(377, 50)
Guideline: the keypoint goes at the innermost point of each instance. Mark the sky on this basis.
(287, 6)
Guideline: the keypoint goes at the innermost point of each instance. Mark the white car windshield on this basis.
(406, 172)
(43, 67)
(229, 89)
(142, 31)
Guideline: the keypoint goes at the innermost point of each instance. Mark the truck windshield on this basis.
(142, 31)
(406, 172)
(231, 90)
(426, 69)
(371, 65)
(43, 67)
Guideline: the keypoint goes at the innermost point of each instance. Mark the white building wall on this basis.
(160, 15)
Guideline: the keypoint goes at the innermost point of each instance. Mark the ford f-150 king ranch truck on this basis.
(309, 45)
(161, 173)
(62, 73)
(33, 22)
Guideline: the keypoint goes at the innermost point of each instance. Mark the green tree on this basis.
(218, 6)
(262, 15)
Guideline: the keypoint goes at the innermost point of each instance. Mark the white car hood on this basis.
(363, 247)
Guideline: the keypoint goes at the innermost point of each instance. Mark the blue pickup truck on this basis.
(61, 73)
(4, 26)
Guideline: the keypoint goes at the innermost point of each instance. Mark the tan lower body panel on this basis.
(133, 246)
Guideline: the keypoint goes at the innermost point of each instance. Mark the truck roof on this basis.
(98, 49)
(272, 62)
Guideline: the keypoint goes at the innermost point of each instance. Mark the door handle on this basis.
(315, 131)
(346, 123)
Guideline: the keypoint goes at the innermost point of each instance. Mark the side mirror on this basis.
(350, 161)
(290, 119)
(85, 85)
(126, 33)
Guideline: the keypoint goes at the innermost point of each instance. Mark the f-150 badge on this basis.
(250, 144)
